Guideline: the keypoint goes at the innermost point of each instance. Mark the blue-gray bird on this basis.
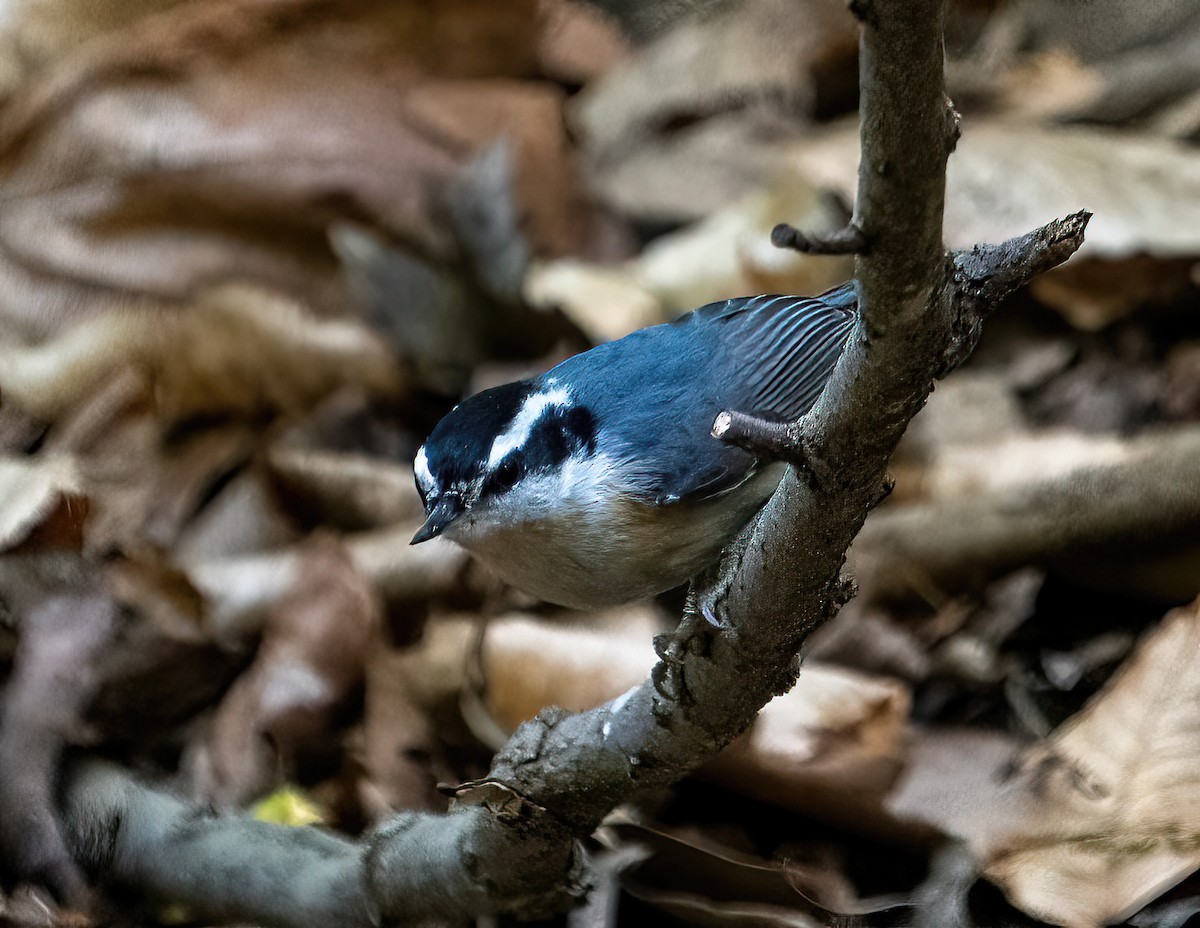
(599, 482)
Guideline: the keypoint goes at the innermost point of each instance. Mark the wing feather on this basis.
(787, 350)
(778, 353)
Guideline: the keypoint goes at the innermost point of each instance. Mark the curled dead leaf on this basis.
(1102, 816)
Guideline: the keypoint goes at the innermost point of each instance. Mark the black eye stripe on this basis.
(564, 430)
(580, 424)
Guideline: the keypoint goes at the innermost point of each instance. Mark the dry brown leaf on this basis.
(144, 491)
(1145, 192)
(528, 665)
(730, 253)
(37, 491)
(1095, 505)
(35, 33)
(760, 52)
(578, 42)
(400, 744)
(142, 484)
(830, 747)
(691, 172)
(162, 666)
(240, 589)
(951, 780)
(1091, 294)
(1046, 85)
(219, 138)
(312, 654)
(726, 254)
(1105, 814)
(1087, 826)
(245, 516)
(606, 302)
(238, 350)
(1016, 459)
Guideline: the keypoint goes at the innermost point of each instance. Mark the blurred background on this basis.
(252, 250)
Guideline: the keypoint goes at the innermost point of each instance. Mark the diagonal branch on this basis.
(508, 843)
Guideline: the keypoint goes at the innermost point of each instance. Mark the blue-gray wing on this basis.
(662, 387)
(778, 352)
(785, 348)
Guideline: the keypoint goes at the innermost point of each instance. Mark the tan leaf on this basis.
(762, 51)
(1087, 826)
(726, 254)
(578, 42)
(346, 491)
(238, 349)
(35, 491)
(241, 589)
(1090, 503)
(1105, 814)
(1145, 192)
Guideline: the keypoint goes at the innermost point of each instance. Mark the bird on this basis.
(599, 482)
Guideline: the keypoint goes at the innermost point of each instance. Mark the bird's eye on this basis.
(507, 474)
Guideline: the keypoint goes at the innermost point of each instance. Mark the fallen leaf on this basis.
(1087, 826)
(1102, 816)
(764, 52)
(162, 666)
(244, 516)
(36, 492)
(724, 255)
(33, 35)
(400, 746)
(1144, 192)
(218, 139)
(238, 350)
(345, 491)
(578, 42)
(830, 747)
(313, 648)
(1089, 504)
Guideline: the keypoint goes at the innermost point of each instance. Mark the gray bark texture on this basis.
(510, 842)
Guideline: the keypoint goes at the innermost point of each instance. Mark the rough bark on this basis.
(508, 843)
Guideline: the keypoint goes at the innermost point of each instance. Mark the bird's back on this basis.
(767, 355)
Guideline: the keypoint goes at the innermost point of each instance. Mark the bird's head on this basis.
(498, 457)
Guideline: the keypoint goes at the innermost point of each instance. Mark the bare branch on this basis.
(771, 440)
(848, 240)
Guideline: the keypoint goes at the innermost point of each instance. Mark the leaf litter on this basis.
(252, 252)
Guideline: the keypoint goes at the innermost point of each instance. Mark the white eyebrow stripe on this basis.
(421, 469)
(518, 430)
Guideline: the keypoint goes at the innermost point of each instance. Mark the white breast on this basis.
(579, 538)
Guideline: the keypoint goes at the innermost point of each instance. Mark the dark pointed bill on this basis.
(448, 508)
